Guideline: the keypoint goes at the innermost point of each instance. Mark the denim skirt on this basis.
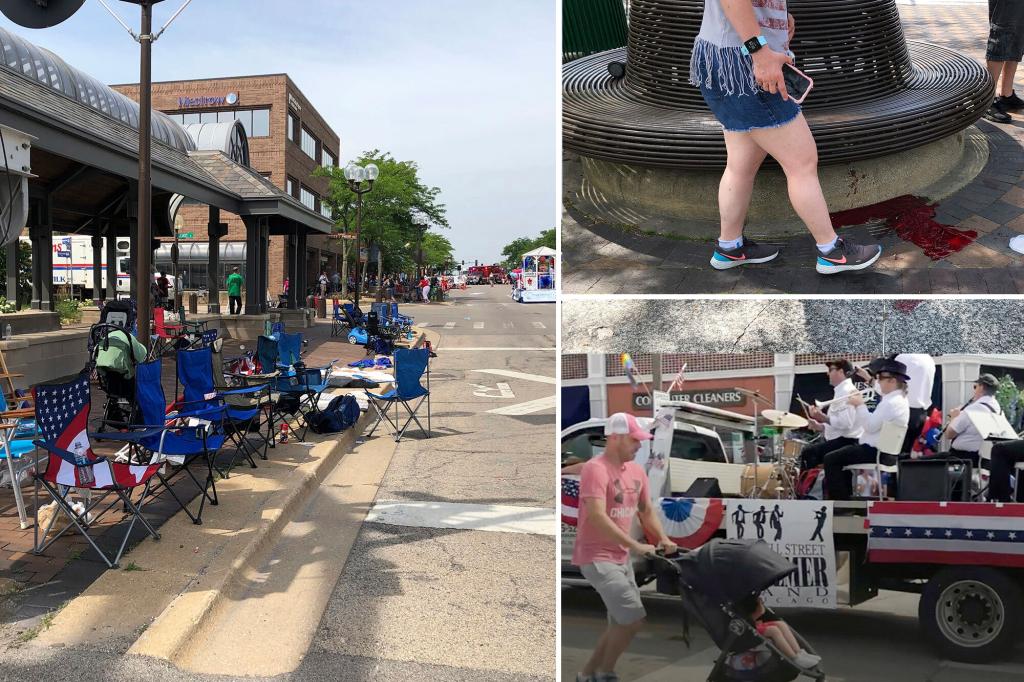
(726, 80)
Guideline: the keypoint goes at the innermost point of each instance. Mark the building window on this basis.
(307, 198)
(290, 187)
(260, 123)
(245, 117)
(293, 127)
(308, 144)
(327, 159)
(325, 210)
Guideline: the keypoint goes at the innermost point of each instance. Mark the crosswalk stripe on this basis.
(528, 407)
(478, 325)
(488, 517)
(449, 325)
(539, 325)
(507, 325)
(540, 378)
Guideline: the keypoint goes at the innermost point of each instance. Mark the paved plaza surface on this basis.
(877, 641)
(448, 578)
(605, 258)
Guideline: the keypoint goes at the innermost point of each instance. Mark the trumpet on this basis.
(867, 394)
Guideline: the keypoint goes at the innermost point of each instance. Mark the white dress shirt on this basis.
(968, 438)
(921, 370)
(842, 417)
(893, 407)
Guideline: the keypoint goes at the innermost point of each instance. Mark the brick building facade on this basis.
(288, 140)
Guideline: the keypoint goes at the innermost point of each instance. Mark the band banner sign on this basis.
(719, 397)
(801, 531)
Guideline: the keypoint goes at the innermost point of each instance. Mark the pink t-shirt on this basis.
(622, 487)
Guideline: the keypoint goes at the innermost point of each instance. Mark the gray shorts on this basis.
(617, 586)
(1006, 31)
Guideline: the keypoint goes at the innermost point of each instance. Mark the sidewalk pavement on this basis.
(602, 258)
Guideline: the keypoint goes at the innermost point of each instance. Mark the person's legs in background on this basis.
(1004, 456)
(838, 483)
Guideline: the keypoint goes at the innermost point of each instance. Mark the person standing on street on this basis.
(335, 282)
(1003, 54)
(614, 490)
(234, 287)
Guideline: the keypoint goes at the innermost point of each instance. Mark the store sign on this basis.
(719, 397)
(230, 99)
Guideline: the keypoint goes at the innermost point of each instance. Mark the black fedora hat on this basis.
(890, 366)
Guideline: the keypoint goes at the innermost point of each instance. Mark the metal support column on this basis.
(264, 262)
(293, 261)
(12, 272)
(112, 265)
(253, 232)
(301, 275)
(97, 269)
(214, 231)
(132, 209)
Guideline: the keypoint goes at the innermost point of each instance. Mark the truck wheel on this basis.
(971, 613)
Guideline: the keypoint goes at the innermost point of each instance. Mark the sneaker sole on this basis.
(725, 265)
(835, 269)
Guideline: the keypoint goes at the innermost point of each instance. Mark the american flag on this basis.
(946, 533)
(62, 411)
(570, 500)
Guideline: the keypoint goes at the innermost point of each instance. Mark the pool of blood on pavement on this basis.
(913, 220)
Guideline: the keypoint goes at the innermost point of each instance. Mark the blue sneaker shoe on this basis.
(846, 257)
(749, 252)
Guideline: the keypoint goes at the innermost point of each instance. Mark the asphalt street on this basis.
(877, 641)
(452, 581)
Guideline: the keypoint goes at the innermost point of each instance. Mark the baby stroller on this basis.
(710, 582)
(114, 355)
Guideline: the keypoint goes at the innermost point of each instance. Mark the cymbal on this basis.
(783, 420)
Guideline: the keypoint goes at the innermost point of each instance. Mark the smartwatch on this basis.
(753, 45)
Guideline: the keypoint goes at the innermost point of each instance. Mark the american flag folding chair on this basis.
(193, 432)
(410, 366)
(62, 414)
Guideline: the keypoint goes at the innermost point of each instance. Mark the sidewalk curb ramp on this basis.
(173, 629)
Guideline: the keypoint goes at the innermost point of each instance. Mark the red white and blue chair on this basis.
(62, 415)
(411, 366)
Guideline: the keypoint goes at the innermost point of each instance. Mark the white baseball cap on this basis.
(623, 423)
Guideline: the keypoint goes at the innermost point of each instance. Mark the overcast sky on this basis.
(466, 88)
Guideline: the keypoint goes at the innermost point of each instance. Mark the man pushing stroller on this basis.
(614, 490)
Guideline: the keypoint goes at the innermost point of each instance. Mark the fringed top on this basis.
(717, 61)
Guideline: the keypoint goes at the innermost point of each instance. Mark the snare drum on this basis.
(792, 448)
(765, 480)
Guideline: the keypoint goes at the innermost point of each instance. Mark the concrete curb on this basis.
(173, 629)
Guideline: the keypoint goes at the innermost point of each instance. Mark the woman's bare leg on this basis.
(744, 159)
(792, 145)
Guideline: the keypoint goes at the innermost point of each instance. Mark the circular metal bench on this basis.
(874, 93)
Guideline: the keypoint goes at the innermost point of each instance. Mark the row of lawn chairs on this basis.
(217, 403)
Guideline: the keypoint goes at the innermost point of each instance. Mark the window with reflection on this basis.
(308, 144)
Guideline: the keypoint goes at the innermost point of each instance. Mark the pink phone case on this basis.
(810, 83)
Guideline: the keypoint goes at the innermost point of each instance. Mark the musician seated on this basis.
(891, 384)
(839, 423)
(965, 439)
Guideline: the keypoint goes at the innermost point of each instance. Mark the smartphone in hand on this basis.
(798, 83)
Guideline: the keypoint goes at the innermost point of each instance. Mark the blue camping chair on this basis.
(17, 431)
(299, 393)
(289, 348)
(193, 432)
(410, 367)
(267, 354)
(244, 406)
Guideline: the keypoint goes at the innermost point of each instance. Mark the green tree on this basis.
(437, 250)
(398, 196)
(514, 250)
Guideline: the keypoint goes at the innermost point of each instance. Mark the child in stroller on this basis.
(720, 585)
(777, 631)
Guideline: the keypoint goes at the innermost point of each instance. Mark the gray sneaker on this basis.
(606, 677)
(580, 677)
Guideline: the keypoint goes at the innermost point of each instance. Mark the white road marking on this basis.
(519, 375)
(449, 325)
(487, 517)
(539, 325)
(525, 408)
(503, 391)
(490, 348)
(423, 324)
(478, 325)
(508, 325)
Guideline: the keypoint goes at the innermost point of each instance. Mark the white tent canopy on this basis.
(542, 251)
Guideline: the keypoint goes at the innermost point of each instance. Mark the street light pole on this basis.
(143, 276)
(356, 176)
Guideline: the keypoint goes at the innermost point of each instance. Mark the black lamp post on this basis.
(357, 176)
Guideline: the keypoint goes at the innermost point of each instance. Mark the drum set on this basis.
(776, 477)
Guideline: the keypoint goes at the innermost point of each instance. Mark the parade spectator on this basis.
(335, 282)
(234, 287)
(1003, 54)
(737, 63)
(425, 289)
(778, 632)
(164, 286)
(322, 284)
(614, 491)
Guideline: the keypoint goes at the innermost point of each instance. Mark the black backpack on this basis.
(341, 413)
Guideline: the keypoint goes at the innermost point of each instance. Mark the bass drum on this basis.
(766, 481)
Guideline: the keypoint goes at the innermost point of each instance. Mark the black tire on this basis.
(971, 613)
